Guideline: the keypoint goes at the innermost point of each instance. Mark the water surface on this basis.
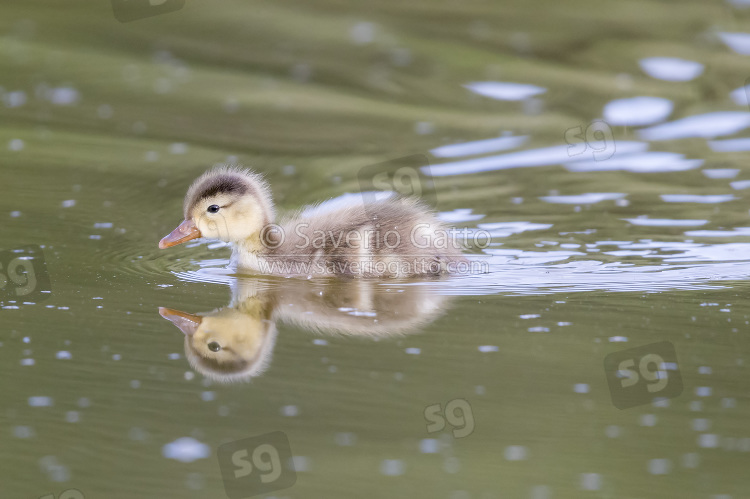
(602, 145)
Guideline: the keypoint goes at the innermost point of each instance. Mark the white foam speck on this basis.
(459, 215)
(591, 481)
(671, 68)
(659, 466)
(697, 198)
(40, 401)
(637, 111)
(709, 125)
(63, 96)
(290, 411)
(429, 446)
(23, 432)
(300, 464)
(708, 440)
(587, 198)
(740, 95)
(736, 232)
(612, 431)
(690, 460)
(739, 42)
(648, 420)
(362, 33)
(730, 145)
(505, 90)
(721, 172)
(700, 424)
(479, 146)
(345, 439)
(546, 156)
(186, 450)
(15, 99)
(392, 467)
(665, 222)
(703, 391)
(178, 148)
(646, 162)
(515, 453)
(505, 229)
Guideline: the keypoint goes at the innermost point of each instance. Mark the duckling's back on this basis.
(389, 238)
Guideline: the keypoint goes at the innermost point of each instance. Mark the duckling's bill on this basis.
(184, 232)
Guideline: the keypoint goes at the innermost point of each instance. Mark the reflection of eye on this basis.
(214, 347)
(214, 208)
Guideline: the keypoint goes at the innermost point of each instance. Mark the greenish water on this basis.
(104, 124)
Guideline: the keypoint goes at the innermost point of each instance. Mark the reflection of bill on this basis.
(132, 10)
(23, 275)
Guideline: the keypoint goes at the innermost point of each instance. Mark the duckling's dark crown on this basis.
(227, 183)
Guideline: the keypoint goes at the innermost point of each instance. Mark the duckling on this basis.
(387, 238)
(235, 343)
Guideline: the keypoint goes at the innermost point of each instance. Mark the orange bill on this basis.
(188, 323)
(183, 233)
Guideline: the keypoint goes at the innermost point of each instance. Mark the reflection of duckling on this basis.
(235, 343)
(228, 344)
(384, 238)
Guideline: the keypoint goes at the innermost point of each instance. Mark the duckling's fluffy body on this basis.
(388, 238)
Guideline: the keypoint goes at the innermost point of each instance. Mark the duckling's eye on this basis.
(214, 346)
(214, 208)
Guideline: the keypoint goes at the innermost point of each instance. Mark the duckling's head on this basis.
(227, 345)
(227, 203)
